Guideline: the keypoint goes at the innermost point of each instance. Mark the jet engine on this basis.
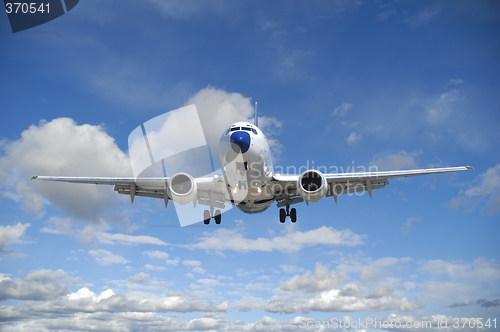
(312, 185)
(182, 188)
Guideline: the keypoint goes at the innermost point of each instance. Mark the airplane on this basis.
(247, 180)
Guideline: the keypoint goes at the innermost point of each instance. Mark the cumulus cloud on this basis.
(156, 268)
(400, 160)
(155, 254)
(172, 262)
(226, 239)
(139, 277)
(480, 269)
(350, 289)
(61, 147)
(333, 300)
(488, 189)
(123, 310)
(353, 138)
(11, 234)
(379, 292)
(37, 285)
(322, 279)
(39, 320)
(368, 269)
(199, 270)
(191, 263)
(104, 257)
(218, 109)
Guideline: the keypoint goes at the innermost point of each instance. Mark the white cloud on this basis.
(226, 239)
(489, 189)
(368, 269)
(409, 222)
(156, 254)
(208, 282)
(291, 268)
(455, 81)
(377, 268)
(61, 147)
(191, 263)
(186, 9)
(129, 239)
(218, 109)
(11, 234)
(350, 289)
(400, 160)
(105, 257)
(353, 138)
(481, 269)
(442, 108)
(333, 300)
(156, 268)
(199, 270)
(322, 279)
(38, 285)
(342, 109)
(173, 262)
(379, 292)
(139, 277)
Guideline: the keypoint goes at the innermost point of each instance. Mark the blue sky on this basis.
(399, 85)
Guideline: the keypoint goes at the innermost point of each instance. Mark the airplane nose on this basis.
(240, 141)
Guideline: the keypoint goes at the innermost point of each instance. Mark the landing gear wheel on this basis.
(282, 215)
(293, 215)
(217, 217)
(206, 217)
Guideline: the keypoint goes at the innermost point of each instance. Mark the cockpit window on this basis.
(227, 131)
(246, 128)
(235, 128)
(254, 131)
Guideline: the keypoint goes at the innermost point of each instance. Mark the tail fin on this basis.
(256, 120)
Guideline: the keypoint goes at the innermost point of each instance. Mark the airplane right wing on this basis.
(210, 189)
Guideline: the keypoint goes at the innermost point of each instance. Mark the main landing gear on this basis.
(207, 216)
(285, 213)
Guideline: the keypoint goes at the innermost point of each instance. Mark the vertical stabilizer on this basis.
(256, 120)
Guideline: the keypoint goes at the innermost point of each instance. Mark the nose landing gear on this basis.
(285, 213)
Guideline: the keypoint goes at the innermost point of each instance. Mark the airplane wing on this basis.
(210, 188)
(346, 183)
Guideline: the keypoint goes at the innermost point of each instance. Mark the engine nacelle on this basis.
(312, 185)
(182, 188)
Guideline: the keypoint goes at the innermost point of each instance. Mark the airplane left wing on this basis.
(287, 191)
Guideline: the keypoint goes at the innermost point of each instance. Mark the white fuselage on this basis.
(247, 167)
